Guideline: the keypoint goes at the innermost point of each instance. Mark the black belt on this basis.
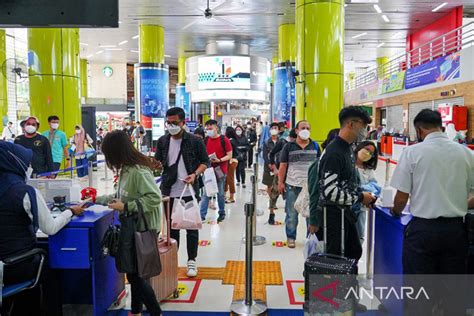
(441, 219)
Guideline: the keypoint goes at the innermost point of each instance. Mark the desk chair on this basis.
(10, 290)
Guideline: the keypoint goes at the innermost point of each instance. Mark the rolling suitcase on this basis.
(166, 284)
(328, 278)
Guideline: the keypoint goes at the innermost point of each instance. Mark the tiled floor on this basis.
(226, 244)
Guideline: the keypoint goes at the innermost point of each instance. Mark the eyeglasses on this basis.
(168, 123)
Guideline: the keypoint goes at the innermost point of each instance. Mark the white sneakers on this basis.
(192, 269)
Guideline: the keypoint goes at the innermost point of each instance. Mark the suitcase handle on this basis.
(326, 255)
(166, 205)
(325, 236)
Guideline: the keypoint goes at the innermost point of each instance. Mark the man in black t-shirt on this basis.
(42, 157)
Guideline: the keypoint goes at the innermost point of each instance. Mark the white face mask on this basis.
(274, 132)
(211, 133)
(238, 132)
(28, 171)
(174, 129)
(304, 134)
(55, 125)
(78, 131)
(30, 129)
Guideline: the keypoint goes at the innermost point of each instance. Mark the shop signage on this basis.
(394, 82)
(449, 93)
(441, 69)
(108, 71)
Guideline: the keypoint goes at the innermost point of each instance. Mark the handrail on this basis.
(443, 45)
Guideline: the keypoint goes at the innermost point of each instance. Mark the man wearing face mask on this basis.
(252, 138)
(184, 158)
(57, 141)
(42, 156)
(437, 175)
(295, 159)
(269, 177)
(219, 150)
(339, 185)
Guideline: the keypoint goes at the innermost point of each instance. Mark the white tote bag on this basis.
(186, 215)
(302, 202)
(210, 182)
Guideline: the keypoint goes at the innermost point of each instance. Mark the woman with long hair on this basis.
(80, 143)
(230, 180)
(243, 147)
(135, 183)
(331, 135)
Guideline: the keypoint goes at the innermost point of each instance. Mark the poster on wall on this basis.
(394, 82)
(283, 96)
(223, 72)
(154, 94)
(183, 100)
(441, 69)
(158, 127)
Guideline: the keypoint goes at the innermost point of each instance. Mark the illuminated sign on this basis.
(223, 72)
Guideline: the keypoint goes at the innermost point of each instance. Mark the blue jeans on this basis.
(83, 171)
(291, 219)
(360, 224)
(220, 199)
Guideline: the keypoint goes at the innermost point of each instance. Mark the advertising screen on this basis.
(154, 94)
(223, 72)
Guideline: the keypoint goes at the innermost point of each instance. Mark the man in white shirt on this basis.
(437, 175)
(9, 132)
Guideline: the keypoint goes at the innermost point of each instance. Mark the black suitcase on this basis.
(328, 280)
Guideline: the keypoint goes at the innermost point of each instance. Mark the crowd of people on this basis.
(337, 176)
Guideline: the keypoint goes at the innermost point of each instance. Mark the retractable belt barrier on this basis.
(47, 174)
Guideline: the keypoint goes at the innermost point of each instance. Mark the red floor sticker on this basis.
(204, 243)
(295, 291)
(188, 289)
(279, 244)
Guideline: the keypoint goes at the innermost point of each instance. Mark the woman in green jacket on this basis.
(136, 182)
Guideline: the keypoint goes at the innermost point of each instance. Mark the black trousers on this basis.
(192, 236)
(240, 172)
(435, 246)
(250, 157)
(352, 246)
(142, 293)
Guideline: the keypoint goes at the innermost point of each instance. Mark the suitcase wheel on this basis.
(176, 293)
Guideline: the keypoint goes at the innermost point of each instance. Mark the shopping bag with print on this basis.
(210, 182)
(302, 202)
(186, 215)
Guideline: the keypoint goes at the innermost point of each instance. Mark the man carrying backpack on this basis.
(219, 150)
(295, 160)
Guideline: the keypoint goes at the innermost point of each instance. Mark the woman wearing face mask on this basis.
(366, 163)
(243, 147)
(23, 211)
(80, 143)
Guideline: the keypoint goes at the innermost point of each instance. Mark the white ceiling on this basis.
(256, 22)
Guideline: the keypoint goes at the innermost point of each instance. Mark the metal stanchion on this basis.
(106, 173)
(370, 243)
(90, 172)
(248, 306)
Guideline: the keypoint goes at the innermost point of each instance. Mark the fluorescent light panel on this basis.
(134, 51)
(377, 8)
(380, 45)
(107, 46)
(135, 37)
(113, 49)
(439, 7)
(99, 52)
(84, 44)
(360, 35)
(90, 56)
(364, 1)
(168, 56)
(123, 42)
(385, 18)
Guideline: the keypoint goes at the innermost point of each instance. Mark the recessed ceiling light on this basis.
(365, 1)
(167, 56)
(136, 36)
(225, 42)
(439, 7)
(380, 45)
(134, 51)
(377, 8)
(99, 52)
(123, 42)
(385, 18)
(113, 49)
(360, 35)
(84, 44)
(89, 56)
(107, 46)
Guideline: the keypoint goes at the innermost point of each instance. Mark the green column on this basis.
(286, 43)
(3, 83)
(181, 70)
(84, 78)
(54, 76)
(381, 61)
(152, 44)
(320, 61)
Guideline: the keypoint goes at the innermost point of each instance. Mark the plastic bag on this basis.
(210, 182)
(186, 215)
(302, 202)
(312, 246)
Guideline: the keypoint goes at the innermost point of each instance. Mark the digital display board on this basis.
(223, 72)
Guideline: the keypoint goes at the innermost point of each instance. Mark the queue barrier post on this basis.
(90, 173)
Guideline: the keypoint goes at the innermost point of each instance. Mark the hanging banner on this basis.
(283, 96)
(183, 99)
(154, 94)
(441, 69)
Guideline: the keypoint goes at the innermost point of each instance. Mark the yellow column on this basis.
(84, 78)
(54, 76)
(152, 44)
(286, 43)
(3, 84)
(181, 70)
(381, 70)
(320, 61)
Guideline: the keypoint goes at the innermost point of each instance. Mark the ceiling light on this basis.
(398, 35)
(107, 46)
(439, 7)
(167, 56)
(84, 44)
(225, 42)
(136, 36)
(120, 22)
(134, 51)
(380, 45)
(385, 18)
(364, 1)
(377, 8)
(123, 42)
(99, 52)
(108, 49)
(345, 5)
(360, 35)
(90, 56)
